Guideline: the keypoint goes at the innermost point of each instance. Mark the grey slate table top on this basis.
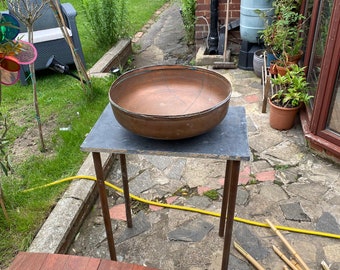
(228, 140)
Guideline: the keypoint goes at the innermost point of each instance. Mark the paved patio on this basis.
(284, 182)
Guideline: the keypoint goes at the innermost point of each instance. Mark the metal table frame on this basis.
(227, 141)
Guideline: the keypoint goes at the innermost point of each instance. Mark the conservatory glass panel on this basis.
(319, 44)
(334, 113)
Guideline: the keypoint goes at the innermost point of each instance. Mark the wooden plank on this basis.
(265, 93)
(268, 89)
(93, 263)
(77, 262)
(112, 265)
(54, 261)
(45, 261)
(266, 85)
(17, 261)
(28, 261)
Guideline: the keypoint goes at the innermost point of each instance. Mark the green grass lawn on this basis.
(62, 103)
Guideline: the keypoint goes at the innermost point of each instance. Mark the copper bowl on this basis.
(170, 102)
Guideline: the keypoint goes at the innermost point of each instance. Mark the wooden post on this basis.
(2, 203)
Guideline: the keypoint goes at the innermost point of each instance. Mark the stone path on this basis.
(284, 182)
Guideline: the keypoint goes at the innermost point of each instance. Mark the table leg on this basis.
(104, 204)
(225, 198)
(126, 190)
(231, 203)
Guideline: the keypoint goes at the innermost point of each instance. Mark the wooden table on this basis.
(227, 141)
(45, 261)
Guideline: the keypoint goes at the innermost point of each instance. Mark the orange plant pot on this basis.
(294, 59)
(281, 70)
(277, 69)
(281, 118)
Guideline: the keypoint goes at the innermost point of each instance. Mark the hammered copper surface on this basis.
(170, 102)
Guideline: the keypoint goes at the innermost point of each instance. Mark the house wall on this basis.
(203, 10)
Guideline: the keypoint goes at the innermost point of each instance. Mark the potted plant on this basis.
(291, 93)
(282, 36)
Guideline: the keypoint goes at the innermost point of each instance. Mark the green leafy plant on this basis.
(288, 31)
(282, 34)
(292, 88)
(107, 20)
(189, 19)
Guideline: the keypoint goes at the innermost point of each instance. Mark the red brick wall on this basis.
(203, 10)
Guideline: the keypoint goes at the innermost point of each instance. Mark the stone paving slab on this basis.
(255, 202)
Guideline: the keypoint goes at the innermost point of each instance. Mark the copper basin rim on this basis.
(170, 102)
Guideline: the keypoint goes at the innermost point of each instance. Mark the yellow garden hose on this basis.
(191, 209)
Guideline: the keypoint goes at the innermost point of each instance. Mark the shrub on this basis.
(189, 19)
(107, 20)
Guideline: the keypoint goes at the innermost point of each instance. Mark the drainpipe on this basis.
(213, 37)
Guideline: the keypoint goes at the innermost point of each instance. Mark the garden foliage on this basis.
(189, 19)
(107, 19)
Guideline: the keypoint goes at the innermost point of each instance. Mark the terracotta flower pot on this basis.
(275, 68)
(281, 118)
(294, 59)
(272, 69)
(281, 70)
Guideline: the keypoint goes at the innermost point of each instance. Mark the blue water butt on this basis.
(251, 21)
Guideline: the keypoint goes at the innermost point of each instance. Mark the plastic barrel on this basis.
(251, 21)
